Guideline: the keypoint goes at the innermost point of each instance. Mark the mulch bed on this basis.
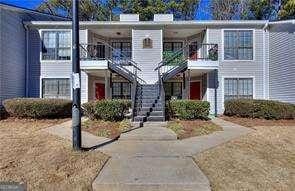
(190, 128)
(247, 122)
(105, 128)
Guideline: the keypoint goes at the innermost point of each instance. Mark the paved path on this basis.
(151, 158)
(64, 130)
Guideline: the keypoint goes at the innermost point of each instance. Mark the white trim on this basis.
(207, 36)
(86, 88)
(208, 89)
(222, 87)
(54, 77)
(40, 45)
(238, 29)
(117, 24)
(264, 64)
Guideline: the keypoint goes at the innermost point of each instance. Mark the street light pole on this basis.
(76, 76)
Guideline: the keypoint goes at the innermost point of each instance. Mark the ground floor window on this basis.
(121, 90)
(56, 88)
(173, 90)
(235, 88)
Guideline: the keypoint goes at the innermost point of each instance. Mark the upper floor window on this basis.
(172, 46)
(147, 43)
(56, 45)
(238, 45)
(121, 49)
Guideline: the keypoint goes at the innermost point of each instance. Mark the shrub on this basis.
(38, 108)
(3, 112)
(266, 109)
(189, 109)
(109, 110)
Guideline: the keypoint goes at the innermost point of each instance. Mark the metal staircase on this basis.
(149, 105)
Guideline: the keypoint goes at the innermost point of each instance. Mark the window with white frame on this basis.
(121, 90)
(237, 88)
(56, 88)
(56, 45)
(238, 45)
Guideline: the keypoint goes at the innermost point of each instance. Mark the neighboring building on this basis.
(202, 60)
(13, 50)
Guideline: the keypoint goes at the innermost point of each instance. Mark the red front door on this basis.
(99, 91)
(195, 90)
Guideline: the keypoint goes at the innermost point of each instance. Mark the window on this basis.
(172, 46)
(56, 88)
(121, 48)
(238, 45)
(147, 43)
(173, 89)
(235, 88)
(56, 45)
(121, 90)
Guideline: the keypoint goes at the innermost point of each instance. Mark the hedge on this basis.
(109, 110)
(266, 109)
(38, 108)
(189, 109)
(3, 112)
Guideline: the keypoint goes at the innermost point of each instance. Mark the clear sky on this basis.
(203, 12)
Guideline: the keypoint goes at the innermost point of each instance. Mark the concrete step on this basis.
(140, 118)
(156, 118)
(146, 109)
(146, 101)
(143, 113)
(147, 97)
(156, 113)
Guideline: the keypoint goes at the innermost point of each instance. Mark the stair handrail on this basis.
(165, 61)
(132, 62)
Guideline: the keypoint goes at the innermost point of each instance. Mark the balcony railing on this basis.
(104, 51)
(192, 51)
(203, 52)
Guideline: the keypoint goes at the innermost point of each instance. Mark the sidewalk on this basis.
(151, 158)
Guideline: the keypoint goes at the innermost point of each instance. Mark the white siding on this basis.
(147, 58)
(282, 63)
(237, 68)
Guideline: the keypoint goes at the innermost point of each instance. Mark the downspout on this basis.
(215, 91)
(264, 61)
(27, 61)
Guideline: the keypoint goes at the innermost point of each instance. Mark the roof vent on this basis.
(129, 17)
(163, 17)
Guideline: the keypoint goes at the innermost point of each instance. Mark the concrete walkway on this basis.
(64, 130)
(151, 158)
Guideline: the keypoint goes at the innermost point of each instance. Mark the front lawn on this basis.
(248, 122)
(107, 129)
(190, 128)
(44, 161)
(262, 160)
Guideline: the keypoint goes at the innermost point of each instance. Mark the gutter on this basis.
(148, 23)
(27, 60)
(264, 61)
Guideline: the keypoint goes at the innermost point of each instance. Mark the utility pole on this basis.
(76, 76)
